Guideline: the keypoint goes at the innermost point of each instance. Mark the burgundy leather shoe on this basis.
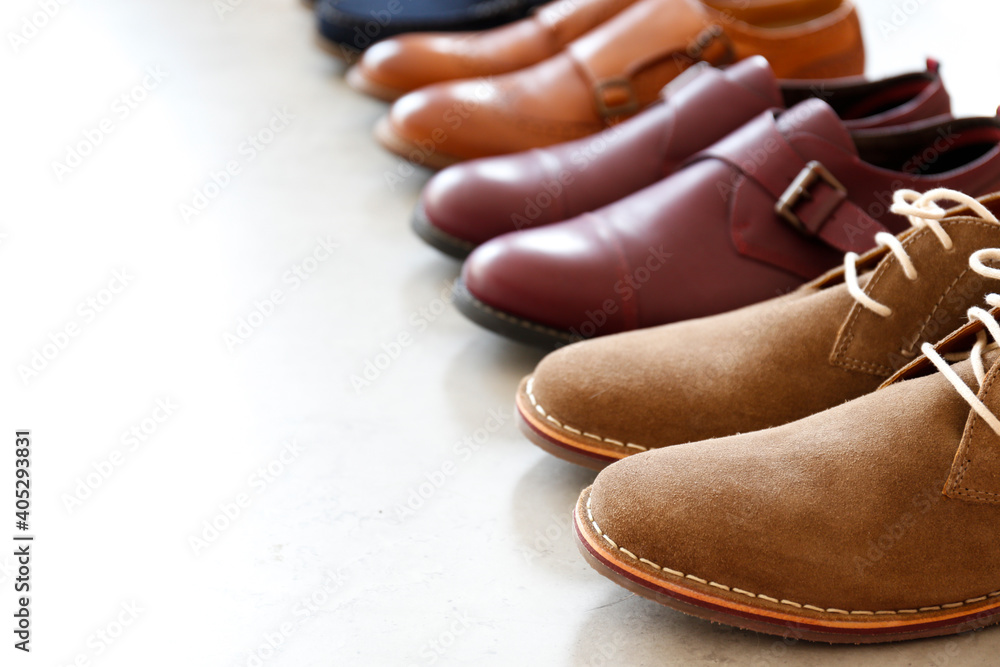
(769, 207)
(469, 203)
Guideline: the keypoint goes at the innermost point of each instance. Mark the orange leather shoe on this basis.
(399, 65)
(615, 71)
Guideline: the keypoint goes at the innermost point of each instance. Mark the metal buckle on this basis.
(626, 109)
(799, 189)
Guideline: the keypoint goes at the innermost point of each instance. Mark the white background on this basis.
(485, 570)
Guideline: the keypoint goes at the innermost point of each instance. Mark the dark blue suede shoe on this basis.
(348, 27)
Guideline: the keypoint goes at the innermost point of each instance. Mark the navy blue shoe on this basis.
(348, 27)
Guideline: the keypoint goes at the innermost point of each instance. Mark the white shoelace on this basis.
(981, 345)
(922, 211)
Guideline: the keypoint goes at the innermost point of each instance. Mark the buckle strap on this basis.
(800, 188)
(612, 60)
(808, 196)
(615, 97)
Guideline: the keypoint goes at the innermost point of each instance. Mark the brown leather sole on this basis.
(433, 236)
(532, 426)
(408, 150)
(742, 609)
(357, 80)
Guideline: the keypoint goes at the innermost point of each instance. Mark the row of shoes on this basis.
(796, 417)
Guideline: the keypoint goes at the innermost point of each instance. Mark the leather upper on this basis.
(407, 62)
(710, 238)
(481, 199)
(619, 68)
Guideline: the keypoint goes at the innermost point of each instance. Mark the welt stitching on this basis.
(789, 603)
(575, 431)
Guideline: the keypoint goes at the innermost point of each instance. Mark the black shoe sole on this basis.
(510, 326)
(443, 241)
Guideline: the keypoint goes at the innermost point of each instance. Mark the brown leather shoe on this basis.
(469, 203)
(874, 521)
(615, 71)
(599, 401)
(768, 208)
(402, 64)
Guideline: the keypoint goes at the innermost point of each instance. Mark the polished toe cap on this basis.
(562, 276)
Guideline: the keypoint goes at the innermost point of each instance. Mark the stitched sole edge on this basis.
(507, 325)
(567, 450)
(401, 147)
(704, 602)
(357, 80)
(434, 237)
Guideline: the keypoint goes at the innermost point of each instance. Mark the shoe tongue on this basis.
(815, 117)
(755, 74)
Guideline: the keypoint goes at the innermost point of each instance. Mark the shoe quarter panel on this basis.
(975, 472)
(923, 310)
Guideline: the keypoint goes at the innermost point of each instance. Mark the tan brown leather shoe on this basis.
(874, 521)
(402, 64)
(830, 341)
(615, 71)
